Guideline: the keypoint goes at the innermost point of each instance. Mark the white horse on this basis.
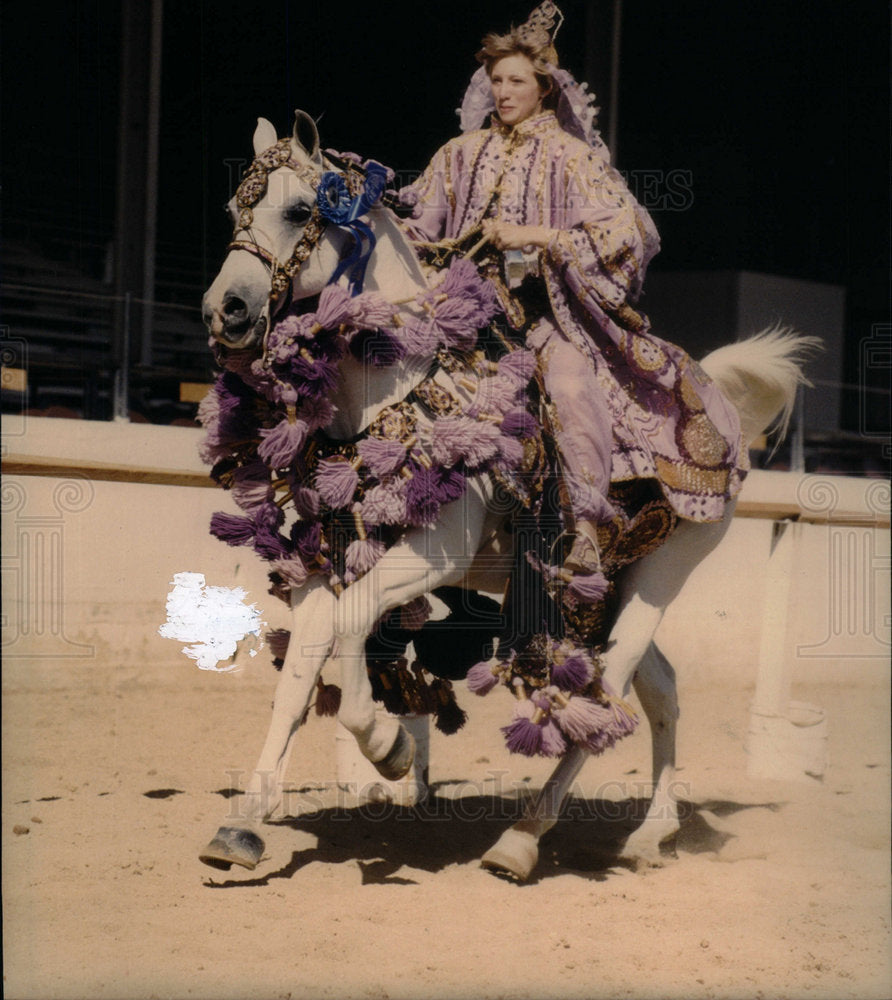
(759, 376)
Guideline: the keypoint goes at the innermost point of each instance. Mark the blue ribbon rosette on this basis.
(339, 208)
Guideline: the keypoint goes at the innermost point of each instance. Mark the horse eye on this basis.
(298, 214)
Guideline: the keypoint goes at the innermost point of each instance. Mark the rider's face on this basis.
(515, 89)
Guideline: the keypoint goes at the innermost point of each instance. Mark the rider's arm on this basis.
(432, 199)
(607, 241)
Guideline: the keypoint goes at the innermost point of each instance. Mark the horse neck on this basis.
(395, 274)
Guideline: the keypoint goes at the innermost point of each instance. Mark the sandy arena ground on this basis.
(114, 780)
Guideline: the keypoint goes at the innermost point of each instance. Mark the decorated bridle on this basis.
(341, 200)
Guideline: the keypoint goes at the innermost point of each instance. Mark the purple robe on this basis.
(623, 403)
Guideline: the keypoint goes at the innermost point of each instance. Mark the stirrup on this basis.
(583, 557)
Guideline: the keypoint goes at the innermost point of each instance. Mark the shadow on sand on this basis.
(384, 839)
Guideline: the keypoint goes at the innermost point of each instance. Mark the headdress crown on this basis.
(541, 23)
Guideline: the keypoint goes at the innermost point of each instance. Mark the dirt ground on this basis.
(114, 781)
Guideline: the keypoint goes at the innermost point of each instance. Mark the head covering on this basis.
(575, 110)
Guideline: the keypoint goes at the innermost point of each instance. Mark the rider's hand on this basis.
(510, 236)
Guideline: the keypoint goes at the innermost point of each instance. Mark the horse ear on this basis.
(305, 137)
(264, 136)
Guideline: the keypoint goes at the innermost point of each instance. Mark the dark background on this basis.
(776, 112)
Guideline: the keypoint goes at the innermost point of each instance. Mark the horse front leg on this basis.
(516, 852)
(421, 561)
(312, 629)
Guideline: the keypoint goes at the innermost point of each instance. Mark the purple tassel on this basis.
(314, 378)
(209, 408)
(362, 554)
(268, 543)
(280, 392)
(573, 670)
(457, 322)
(451, 437)
(578, 717)
(336, 481)
(524, 734)
(251, 486)
(448, 484)
(548, 572)
(519, 366)
(619, 721)
(510, 452)
(328, 698)
(306, 503)
(419, 336)
(385, 504)
(306, 537)
(519, 423)
(317, 413)
(381, 457)
(335, 307)
(280, 589)
(379, 348)
(292, 570)
(281, 444)
(232, 529)
(589, 589)
(553, 742)
(290, 327)
(371, 311)
(483, 677)
(277, 639)
(422, 506)
(495, 394)
(211, 449)
(455, 439)
(463, 283)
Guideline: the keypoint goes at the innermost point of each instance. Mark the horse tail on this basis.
(760, 377)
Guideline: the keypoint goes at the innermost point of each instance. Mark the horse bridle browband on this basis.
(251, 189)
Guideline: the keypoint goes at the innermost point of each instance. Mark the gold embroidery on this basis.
(689, 395)
(394, 423)
(649, 356)
(690, 479)
(702, 441)
(437, 398)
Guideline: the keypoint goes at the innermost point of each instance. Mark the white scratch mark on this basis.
(213, 619)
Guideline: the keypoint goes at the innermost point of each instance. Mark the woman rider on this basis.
(538, 186)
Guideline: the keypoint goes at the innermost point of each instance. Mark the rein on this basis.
(250, 191)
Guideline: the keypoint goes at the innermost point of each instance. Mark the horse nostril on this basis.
(234, 309)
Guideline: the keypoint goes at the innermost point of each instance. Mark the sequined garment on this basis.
(625, 404)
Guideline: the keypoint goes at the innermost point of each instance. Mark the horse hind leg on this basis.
(654, 684)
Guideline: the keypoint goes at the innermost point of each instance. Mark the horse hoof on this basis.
(515, 854)
(399, 760)
(233, 846)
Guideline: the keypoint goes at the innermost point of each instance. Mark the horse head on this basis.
(276, 251)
